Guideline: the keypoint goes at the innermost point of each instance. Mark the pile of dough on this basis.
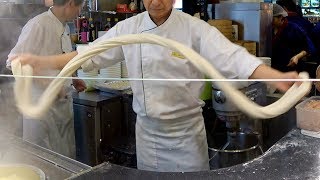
(23, 100)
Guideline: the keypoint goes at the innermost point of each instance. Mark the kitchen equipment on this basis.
(17, 153)
(242, 140)
(241, 147)
(97, 120)
(308, 115)
(104, 128)
(21, 171)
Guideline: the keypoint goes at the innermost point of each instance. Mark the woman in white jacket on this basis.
(48, 34)
(170, 133)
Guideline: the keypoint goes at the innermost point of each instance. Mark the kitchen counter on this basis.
(295, 156)
(14, 150)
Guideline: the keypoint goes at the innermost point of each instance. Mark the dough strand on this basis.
(23, 99)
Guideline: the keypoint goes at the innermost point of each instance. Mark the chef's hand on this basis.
(283, 86)
(317, 83)
(79, 85)
(293, 61)
(37, 63)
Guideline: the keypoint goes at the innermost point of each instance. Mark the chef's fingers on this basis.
(291, 64)
(79, 85)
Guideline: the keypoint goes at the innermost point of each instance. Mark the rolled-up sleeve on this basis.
(232, 61)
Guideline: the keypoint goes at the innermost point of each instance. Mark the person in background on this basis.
(289, 42)
(295, 15)
(48, 34)
(170, 133)
(315, 35)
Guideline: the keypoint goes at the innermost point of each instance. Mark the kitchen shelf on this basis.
(310, 7)
(315, 15)
(114, 12)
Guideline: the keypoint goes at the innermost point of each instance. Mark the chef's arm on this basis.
(59, 61)
(266, 72)
(46, 62)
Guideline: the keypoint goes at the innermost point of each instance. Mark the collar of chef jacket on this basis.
(148, 24)
(63, 30)
(60, 26)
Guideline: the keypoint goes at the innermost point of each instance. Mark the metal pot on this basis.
(25, 171)
(239, 148)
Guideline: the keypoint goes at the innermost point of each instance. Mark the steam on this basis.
(12, 19)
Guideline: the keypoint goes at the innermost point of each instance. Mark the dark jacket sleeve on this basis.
(299, 40)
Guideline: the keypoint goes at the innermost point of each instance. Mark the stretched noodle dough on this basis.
(23, 100)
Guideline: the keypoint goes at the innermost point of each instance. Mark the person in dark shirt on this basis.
(315, 35)
(289, 43)
(295, 15)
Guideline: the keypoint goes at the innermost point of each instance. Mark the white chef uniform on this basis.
(170, 131)
(46, 35)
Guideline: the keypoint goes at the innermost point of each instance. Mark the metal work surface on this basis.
(295, 156)
(16, 151)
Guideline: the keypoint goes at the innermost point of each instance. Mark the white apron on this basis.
(177, 145)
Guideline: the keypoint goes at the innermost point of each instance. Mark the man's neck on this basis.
(161, 20)
(58, 12)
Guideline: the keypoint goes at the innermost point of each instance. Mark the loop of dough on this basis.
(23, 99)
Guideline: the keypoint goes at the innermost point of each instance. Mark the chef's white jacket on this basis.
(181, 144)
(46, 35)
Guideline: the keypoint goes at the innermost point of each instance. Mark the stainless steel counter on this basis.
(14, 150)
(295, 156)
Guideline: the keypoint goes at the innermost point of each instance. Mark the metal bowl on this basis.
(21, 171)
(239, 148)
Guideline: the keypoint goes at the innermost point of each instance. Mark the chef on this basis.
(48, 34)
(170, 133)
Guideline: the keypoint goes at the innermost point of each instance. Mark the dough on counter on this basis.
(23, 85)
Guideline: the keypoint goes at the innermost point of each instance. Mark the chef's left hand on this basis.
(317, 83)
(283, 86)
(79, 85)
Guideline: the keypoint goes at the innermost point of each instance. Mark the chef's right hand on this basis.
(38, 63)
(32, 60)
